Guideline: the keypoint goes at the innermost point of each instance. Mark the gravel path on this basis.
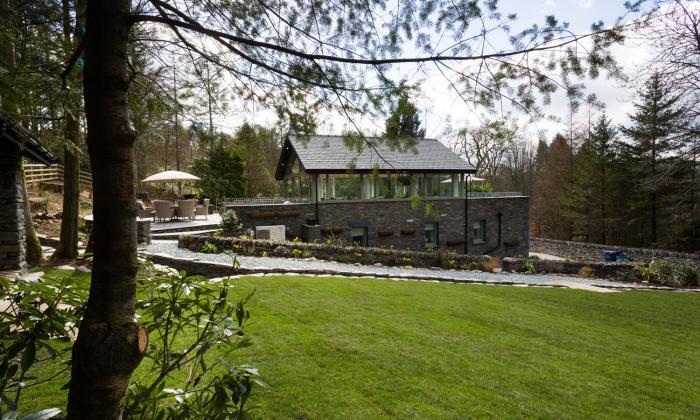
(170, 248)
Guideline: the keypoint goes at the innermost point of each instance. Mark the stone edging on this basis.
(215, 269)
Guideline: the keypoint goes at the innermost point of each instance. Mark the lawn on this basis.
(364, 348)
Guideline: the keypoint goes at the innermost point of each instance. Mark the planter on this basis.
(511, 243)
(385, 232)
(288, 213)
(408, 232)
(262, 215)
(455, 242)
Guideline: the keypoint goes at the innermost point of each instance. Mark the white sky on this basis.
(442, 108)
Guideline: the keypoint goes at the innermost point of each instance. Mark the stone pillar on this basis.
(143, 231)
(13, 244)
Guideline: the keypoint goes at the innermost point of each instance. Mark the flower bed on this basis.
(345, 254)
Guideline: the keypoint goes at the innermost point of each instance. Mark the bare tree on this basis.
(486, 147)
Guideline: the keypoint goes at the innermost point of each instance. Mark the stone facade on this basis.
(12, 229)
(397, 224)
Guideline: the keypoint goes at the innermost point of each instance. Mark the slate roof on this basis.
(29, 146)
(321, 153)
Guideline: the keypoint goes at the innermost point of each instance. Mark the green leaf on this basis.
(28, 357)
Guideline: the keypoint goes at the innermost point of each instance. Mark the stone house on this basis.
(16, 143)
(380, 194)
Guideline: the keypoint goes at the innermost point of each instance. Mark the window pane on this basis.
(383, 186)
(445, 185)
(430, 233)
(359, 236)
(345, 187)
(479, 231)
(403, 186)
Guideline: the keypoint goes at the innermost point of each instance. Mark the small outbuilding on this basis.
(16, 143)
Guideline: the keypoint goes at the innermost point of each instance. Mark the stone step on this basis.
(155, 228)
(175, 235)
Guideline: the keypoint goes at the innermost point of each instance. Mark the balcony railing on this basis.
(263, 201)
(495, 194)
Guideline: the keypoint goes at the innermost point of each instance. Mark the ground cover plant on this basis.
(370, 348)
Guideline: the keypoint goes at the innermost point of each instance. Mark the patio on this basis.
(212, 222)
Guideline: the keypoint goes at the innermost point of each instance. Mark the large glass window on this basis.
(339, 187)
(432, 185)
(403, 186)
(383, 186)
(445, 185)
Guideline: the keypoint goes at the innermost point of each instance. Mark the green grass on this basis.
(349, 348)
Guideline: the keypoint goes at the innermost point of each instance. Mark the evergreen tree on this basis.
(551, 189)
(404, 121)
(589, 197)
(221, 173)
(653, 125)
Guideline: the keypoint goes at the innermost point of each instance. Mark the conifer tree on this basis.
(653, 125)
(590, 197)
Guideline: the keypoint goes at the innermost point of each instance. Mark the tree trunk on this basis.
(35, 255)
(110, 344)
(68, 243)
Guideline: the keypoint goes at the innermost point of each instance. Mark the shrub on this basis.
(209, 248)
(585, 272)
(491, 264)
(529, 267)
(297, 253)
(645, 272)
(686, 275)
(230, 224)
(662, 272)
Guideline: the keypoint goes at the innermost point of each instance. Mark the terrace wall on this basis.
(397, 224)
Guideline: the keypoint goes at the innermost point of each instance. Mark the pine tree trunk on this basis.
(35, 254)
(68, 242)
(110, 344)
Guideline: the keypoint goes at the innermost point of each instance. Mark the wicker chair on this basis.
(185, 209)
(143, 212)
(164, 210)
(202, 209)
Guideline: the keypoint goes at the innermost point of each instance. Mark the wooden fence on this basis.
(35, 174)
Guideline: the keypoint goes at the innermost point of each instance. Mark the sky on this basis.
(442, 109)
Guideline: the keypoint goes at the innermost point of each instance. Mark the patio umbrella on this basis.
(171, 176)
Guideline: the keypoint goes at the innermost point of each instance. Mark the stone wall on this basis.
(599, 270)
(397, 224)
(583, 251)
(329, 252)
(12, 230)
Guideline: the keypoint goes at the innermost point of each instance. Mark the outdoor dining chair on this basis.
(203, 209)
(185, 209)
(164, 209)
